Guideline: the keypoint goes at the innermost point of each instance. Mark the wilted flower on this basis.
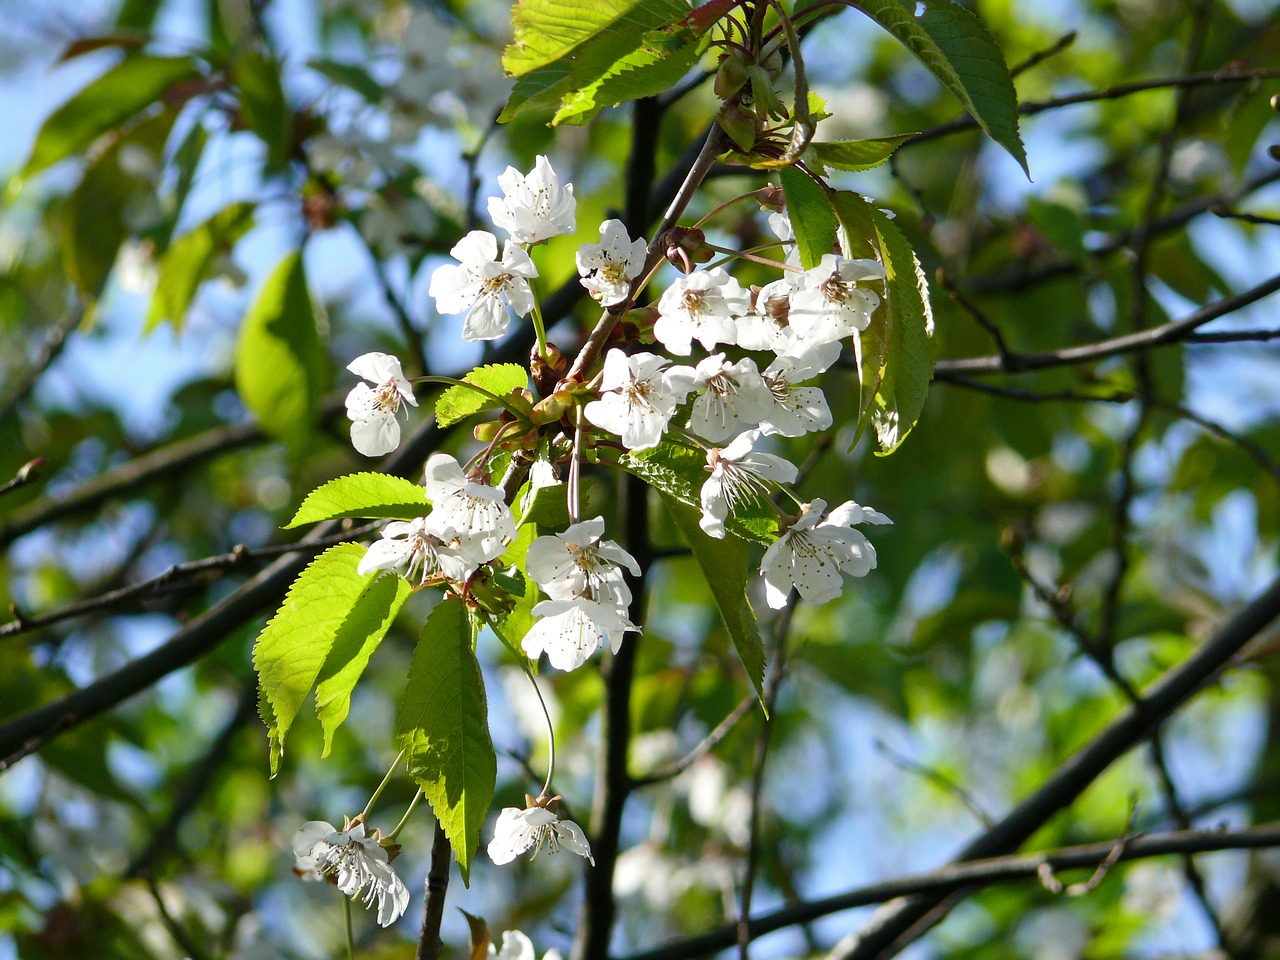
(374, 427)
(738, 475)
(410, 543)
(353, 862)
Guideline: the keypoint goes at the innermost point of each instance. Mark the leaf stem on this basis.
(407, 814)
(454, 382)
(360, 818)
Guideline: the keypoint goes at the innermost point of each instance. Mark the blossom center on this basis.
(835, 290)
(779, 386)
(387, 396)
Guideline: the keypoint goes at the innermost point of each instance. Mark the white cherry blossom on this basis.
(483, 285)
(832, 301)
(766, 326)
(701, 307)
(533, 207)
(515, 946)
(473, 513)
(409, 543)
(732, 397)
(577, 563)
(518, 831)
(815, 550)
(608, 267)
(374, 427)
(796, 410)
(738, 475)
(638, 396)
(572, 630)
(354, 862)
(782, 228)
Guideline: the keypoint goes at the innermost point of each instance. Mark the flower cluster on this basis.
(469, 525)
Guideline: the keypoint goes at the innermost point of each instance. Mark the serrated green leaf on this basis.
(956, 47)
(497, 378)
(547, 506)
(520, 618)
(187, 262)
(854, 155)
(564, 46)
(357, 638)
(263, 106)
(186, 160)
(443, 724)
(679, 472)
(811, 216)
(644, 72)
(280, 360)
(122, 92)
(905, 384)
(293, 647)
(350, 75)
(871, 347)
(362, 495)
(726, 564)
(96, 219)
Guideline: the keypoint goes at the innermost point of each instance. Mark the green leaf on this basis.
(497, 378)
(263, 105)
(679, 472)
(122, 92)
(520, 618)
(727, 566)
(294, 645)
(350, 75)
(443, 724)
(186, 160)
(643, 72)
(854, 154)
(362, 495)
(353, 645)
(956, 46)
(96, 218)
(187, 262)
(905, 384)
(280, 360)
(546, 506)
(565, 46)
(871, 348)
(811, 215)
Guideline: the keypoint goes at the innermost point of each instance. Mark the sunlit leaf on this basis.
(187, 262)
(811, 216)
(362, 495)
(498, 379)
(443, 724)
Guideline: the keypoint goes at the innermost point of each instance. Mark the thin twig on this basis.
(53, 343)
(938, 778)
(705, 746)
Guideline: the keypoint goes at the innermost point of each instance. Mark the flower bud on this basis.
(730, 77)
(685, 246)
(552, 408)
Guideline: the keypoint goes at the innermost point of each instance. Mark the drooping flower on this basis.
(732, 397)
(374, 427)
(797, 410)
(474, 514)
(353, 862)
(815, 550)
(577, 563)
(608, 267)
(515, 946)
(483, 285)
(518, 831)
(701, 307)
(533, 207)
(570, 631)
(411, 544)
(738, 476)
(832, 301)
(638, 396)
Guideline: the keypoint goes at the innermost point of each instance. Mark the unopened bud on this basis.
(552, 408)
(487, 432)
(739, 125)
(685, 246)
(730, 77)
(771, 198)
(546, 368)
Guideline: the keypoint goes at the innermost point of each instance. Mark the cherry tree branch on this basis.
(969, 875)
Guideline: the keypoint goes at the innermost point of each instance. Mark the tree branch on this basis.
(430, 946)
(1133, 726)
(976, 873)
(1129, 343)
